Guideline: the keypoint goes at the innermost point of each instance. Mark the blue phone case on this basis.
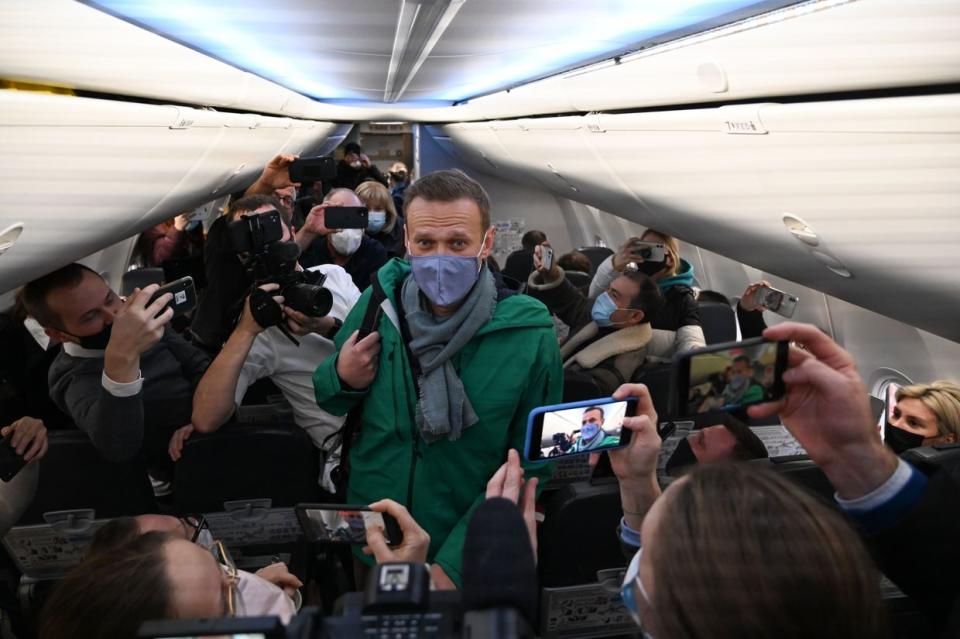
(600, 401)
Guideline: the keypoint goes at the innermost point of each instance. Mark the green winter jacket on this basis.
(511, 366)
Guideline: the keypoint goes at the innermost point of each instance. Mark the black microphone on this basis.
(499, 570)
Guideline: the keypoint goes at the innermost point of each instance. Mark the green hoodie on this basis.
(511, 366)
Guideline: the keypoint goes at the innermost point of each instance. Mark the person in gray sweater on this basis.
(124, 377)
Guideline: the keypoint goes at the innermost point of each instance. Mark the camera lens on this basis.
(645, 253)
(314, 301)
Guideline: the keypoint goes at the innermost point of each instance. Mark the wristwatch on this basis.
(337, 325)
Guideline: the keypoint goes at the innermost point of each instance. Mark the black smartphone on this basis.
(728, 377)
(577, 428)
(254, 232)
(344, 524)
(184, 296)
(10, 462)
(345, 217)
(322, 168)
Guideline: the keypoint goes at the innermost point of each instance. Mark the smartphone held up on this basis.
(578, 428)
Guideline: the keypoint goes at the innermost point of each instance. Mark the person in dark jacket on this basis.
(125, 378)
(679, 312)
(610, 336)
(384, 223)
(356, 167)
(359, 255)
(519, 264)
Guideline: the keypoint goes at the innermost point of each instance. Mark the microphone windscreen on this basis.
(499, 569)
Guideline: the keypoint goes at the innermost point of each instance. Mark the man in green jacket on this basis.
(478, 357)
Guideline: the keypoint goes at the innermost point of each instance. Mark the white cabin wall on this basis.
(508, 199)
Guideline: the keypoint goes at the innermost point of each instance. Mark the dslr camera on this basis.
(268, 260)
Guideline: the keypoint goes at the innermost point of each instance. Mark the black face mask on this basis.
(901, 440)
(682, 456)
(651, 268)
(96, 342)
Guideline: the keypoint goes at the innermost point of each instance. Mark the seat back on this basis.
(579, 386)
(578, 534)
(596, 255)
(139, 278)
(806, 473)
(74, 476)
(580, 280)
(719, 322)
(930, 458)
(659, 381)
(242, 462)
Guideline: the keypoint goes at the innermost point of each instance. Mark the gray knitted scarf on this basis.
(443, 409)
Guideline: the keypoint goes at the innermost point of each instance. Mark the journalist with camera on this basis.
(284, 301)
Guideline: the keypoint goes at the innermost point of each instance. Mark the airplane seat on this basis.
(262, 391)
(579, 387)
(658, 379)
(719, 322)
(73, 475)
(596, 255)
(928, 459)
(805, 473)
(139, 278)
(242, 462)
(580, 280)
(578, 535)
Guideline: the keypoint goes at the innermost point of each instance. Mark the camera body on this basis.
(269, 260)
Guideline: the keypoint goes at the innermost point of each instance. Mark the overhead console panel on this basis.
(875, 179)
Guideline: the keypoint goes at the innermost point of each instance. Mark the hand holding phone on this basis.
(640, 251)
(775, 300)
(577, 428)
(546, 257)
(184, 296)
(23, 441)
(414, 543)
(343, 524)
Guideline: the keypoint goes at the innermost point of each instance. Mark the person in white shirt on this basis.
(253, 352)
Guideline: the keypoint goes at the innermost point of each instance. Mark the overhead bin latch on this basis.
(741, 119)
(593, 123)
(183, 119)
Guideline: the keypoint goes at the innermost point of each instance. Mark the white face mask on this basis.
(347, 241)
(356, 164)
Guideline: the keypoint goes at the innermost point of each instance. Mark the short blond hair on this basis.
(671, 244)
(943, 398)
(376, 197)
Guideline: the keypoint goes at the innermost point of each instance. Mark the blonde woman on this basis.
(925, 415)
(384, 224)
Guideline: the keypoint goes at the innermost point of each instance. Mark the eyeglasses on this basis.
(234, 602)
(196, 522)
(628, 592)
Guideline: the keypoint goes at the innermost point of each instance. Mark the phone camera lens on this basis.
(646, 253)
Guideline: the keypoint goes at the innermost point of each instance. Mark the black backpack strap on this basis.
(351, 426)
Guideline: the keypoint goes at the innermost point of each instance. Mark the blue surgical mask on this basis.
(376, 220)
(446, 279)
(603, 309)
(589, 430)
(629, 590)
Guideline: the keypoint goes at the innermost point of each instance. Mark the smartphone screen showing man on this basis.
(728, 379)
(585, 428)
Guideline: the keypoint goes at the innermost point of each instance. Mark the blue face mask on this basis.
(446, 279)
(376, 220)
(603, 310)
(589, 430)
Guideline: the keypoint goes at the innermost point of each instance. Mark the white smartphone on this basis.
(546, 257)
(775, 300)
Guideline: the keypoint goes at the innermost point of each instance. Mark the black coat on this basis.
(349, 177)
(679, 308)
(365, 262)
